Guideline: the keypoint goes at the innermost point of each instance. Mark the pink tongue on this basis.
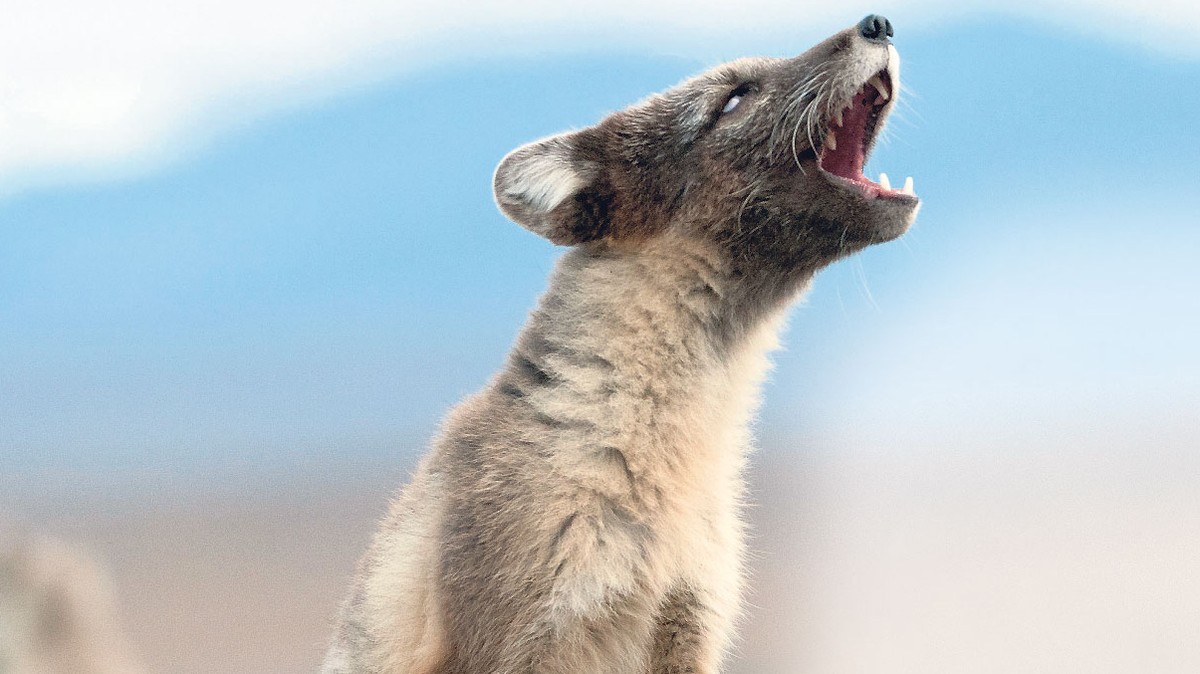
(847, 160)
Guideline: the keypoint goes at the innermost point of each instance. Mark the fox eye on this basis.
(737, 97)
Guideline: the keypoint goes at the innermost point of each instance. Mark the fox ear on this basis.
(555, 187)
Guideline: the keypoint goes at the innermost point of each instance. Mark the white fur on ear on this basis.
(535, 178)
(540, 175)
(543, 181)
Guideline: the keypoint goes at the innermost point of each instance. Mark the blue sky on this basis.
(314, 280)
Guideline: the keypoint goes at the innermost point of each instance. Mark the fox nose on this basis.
(875, 28)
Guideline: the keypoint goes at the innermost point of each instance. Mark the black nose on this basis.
(875, 28)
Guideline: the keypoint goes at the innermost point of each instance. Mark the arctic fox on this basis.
(580, 514)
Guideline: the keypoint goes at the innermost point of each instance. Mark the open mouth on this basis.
(845, 146)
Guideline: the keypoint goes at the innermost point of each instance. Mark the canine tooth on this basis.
(908, 187)
(883, 181)
(831, 141)
(879, 86)
(838, 118)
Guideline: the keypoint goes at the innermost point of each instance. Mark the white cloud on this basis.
(91, 86)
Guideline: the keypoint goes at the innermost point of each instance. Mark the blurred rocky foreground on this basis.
(1077, 555)
(57, 612)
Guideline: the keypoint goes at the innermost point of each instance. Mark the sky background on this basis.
(309, 280)
(249, 257)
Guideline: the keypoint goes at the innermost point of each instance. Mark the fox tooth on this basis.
(908, 187)
(880, 87)
(883, 181)
(831, 141)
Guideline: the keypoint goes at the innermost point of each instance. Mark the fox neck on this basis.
(649, 352)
